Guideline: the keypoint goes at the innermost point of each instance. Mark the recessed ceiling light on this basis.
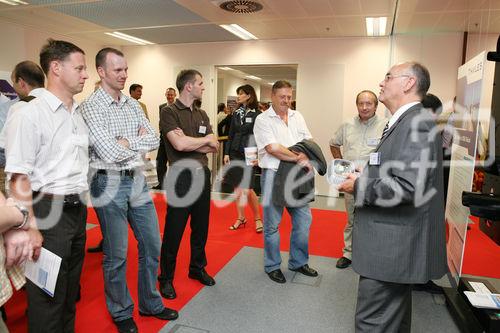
(375, 26)
(253, 77)
(238, 31)
(128, 38)
(14, 2)
(224, 68)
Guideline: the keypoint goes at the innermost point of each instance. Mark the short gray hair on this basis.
(423, 77)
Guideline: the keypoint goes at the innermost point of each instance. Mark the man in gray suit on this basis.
(399, 231)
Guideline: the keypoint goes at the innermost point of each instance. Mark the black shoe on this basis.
(157, 187)
(4, 313)
(95, 249)
(343, 262)
(429, 287)
(167, 290)
(203, 277)
(166, 314)
(277, 276)
(306, 270)
(126, 326)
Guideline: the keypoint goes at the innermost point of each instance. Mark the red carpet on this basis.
(326, 240)
(481, 255)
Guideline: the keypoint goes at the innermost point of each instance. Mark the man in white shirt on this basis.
(28, 81)
(5, 104)
(358, 137)
(47, 160)
(275, 130)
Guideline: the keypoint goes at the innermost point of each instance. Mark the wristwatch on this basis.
(25, 213)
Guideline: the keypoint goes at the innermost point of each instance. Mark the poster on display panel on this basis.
(465, 120)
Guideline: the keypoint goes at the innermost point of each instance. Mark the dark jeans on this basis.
(176, 220)
(161, 161)
(66, 239)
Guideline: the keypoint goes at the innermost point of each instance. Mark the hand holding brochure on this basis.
(44, 271)
(485, 301)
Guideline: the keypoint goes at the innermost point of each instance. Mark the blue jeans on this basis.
(299, 238)
(119, 201)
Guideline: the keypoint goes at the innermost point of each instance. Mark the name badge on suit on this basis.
(374, 158)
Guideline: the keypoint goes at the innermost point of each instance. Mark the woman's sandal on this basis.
(239, 223)
(258, 226)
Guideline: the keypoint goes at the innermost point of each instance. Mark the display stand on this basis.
(469, 318)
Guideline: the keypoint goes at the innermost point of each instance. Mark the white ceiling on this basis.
(268, 74)
(188, 21)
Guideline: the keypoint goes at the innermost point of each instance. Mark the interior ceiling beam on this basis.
(394, 15)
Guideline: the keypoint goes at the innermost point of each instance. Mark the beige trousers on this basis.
(349, 207)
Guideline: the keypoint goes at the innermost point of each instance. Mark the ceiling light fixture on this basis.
(14, 2)
(224, 68)
(253, 77)
(375, 26)
(238, 31)
(128, 38)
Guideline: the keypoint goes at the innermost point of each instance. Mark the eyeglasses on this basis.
(389, 77)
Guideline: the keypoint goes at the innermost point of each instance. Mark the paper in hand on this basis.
(44, 271)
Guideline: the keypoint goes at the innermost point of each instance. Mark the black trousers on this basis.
(66, 238)
(161, 161)
(177, 217)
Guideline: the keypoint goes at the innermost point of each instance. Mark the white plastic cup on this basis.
(250, 155)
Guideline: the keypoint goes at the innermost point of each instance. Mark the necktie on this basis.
(384, 132)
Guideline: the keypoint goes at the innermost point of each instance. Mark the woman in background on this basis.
(240, 137)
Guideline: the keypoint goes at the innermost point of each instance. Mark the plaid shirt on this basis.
(13, 274)
(109, 121)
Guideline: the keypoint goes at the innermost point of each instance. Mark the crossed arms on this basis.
(182, 142)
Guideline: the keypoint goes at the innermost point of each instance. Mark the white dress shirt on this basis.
(12, 122)
(270, 128)
(399, 113)
(50, 145)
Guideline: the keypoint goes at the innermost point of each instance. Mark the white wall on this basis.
(20, 43)
(229, 85)
(440, 53)
(265, 93)
(326, 98)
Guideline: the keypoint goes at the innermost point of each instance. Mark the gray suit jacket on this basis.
(402, 241)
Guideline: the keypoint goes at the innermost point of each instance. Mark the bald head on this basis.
(404, 83)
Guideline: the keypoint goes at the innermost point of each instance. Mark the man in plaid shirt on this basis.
(119, 135)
